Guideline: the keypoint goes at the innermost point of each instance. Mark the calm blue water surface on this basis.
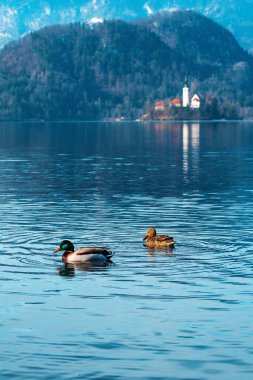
(185, 314)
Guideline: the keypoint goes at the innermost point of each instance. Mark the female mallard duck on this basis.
(87, 254)
(158, 241)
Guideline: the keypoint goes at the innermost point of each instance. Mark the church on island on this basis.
(186, 101)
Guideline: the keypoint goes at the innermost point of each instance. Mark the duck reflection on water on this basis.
(69, 269)
(165, 252)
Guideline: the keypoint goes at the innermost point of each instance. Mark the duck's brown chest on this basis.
(65, 256)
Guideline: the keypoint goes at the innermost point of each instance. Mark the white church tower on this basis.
(186, 100)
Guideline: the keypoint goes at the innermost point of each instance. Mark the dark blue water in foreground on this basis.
(185, 314)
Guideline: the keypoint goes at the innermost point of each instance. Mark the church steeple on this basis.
(186, 100)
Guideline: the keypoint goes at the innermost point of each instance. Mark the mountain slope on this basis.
(197, 36)
(18, 17)
(116, 69)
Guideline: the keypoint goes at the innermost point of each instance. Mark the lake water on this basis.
(185, 314)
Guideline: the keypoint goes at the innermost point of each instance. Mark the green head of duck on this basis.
(66, 246)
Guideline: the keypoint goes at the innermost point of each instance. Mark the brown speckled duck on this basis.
(82, 255)
(158, 241)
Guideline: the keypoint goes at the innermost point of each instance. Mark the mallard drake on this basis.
(81, 255)
(158, 241)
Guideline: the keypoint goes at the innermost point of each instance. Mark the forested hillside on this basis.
(115, 69)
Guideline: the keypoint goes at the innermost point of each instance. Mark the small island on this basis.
(189, 107)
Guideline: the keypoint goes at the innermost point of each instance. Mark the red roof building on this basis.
(159, 105)
(195, 102)
(175, 102)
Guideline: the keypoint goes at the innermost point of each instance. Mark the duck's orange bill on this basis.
(57, 249)
(145, 237)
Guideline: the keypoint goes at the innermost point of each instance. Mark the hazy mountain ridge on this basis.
(79, 71)
(18, 17)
